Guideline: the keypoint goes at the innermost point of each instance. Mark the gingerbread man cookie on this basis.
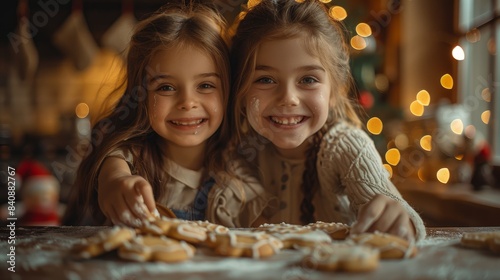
(211, 230)
(390, 246)
(342, 257)
(164, 211)
(482, 240)
(337, 231)
(104, 241)
(175, 228)
(238, 243)
(155, 248)
(295, 235)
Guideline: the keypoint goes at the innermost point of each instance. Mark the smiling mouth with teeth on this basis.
(287, 120)
(188, 123)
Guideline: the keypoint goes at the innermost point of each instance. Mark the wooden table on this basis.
(41, 253)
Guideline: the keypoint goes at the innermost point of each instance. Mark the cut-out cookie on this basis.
(104, 241)
(390, 246)
(155, 248)
(342, 257)
(237, 243)
(295, 235)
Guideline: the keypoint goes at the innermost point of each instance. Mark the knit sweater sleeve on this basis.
(348, 163)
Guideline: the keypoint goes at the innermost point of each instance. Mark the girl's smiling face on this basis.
(288, 99)
(185, 96)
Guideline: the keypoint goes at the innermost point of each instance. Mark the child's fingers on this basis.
(121, 214)
(368, 215)
(135, 205)
(143, 188)
(388, 216)
(402, 228)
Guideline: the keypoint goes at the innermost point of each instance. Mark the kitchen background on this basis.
(426, 72)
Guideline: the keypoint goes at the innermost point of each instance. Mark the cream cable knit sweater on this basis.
(350, 173)
(349, 165)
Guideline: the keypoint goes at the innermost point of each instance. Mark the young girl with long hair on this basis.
(164, 140)
(298, 127)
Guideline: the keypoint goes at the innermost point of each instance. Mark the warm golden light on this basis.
(82, 110)
(337, 13)
(457, 126)
(458, 53)
(443, 175)
(389, 169)
(416, 108)
(358, 43)
(252, 3)
(426, 142)
(392, 156)
(423, 97)
(420, 174)
(363, 29)
(485, 116)
(374, 125)
(459, 157)
(447, 81)
(486, 94)
(325, 1)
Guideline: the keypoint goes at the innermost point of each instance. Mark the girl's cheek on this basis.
(254, 105)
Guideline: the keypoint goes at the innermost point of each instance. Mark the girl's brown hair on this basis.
(127, 125)
(323, 37)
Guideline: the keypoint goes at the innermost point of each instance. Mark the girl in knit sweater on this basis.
(298, 128)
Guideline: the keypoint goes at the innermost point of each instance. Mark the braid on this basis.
(310, 181)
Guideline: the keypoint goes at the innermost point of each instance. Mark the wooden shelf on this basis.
(452, 205)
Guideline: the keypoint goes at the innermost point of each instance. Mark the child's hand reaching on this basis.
(124, 199)
(384, 214)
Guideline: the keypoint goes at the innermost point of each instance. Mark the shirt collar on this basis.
(188, 177)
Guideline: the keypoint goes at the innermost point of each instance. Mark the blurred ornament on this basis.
(366, 99)
(25, 50)
(40, 194)
(75, 40)
(482, 175)
(117, 37)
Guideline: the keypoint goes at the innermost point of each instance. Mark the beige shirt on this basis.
(232, 202)
(182, 187)
(350, 173)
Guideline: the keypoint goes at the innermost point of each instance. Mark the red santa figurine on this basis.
(40, 195)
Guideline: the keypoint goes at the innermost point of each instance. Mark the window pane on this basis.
(474, 12)
(495, 119)
(474, 74)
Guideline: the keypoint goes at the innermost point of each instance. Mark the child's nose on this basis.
(187, 100)
(288, 95)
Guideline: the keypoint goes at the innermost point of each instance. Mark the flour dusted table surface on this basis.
(41, 253)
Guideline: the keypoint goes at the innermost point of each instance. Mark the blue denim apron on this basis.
(197, 210)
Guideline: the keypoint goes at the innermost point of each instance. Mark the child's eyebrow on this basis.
(302, 68)
(165, 76)
(207, 75)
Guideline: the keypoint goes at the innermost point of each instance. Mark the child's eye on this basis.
(265, 80)
(309, 80)
(206, 86)
(165, 90)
